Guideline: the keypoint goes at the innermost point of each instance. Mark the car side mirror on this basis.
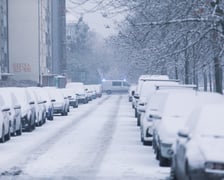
(17, 107)
(5, 109)
(155, 117)
(53, 100)
(132, 93)
(32, 102)
(141, 109)
(184, 133)
(136, 96)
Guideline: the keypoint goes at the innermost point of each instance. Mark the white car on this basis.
(15, 110)
(72, 96)
(198, 151)
(174, 112)
(5, 124)
(141, 80)
(27, 107)
(59, 105)
(79, 88)
(131, 92)
(147, 90)
(49, 102)
(98, 89)
(40, 107)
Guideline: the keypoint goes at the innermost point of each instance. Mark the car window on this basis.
(116, 83)
(14, 99)
(2, 102)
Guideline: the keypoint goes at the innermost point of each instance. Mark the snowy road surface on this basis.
(99, 140)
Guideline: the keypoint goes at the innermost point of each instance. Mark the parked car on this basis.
(131, 92)
(59, 105)
(27, 108)
(49, 103)
(198, 151)
(147, 90)
(141, 80)
(15, 110)
(66, 99)
(98, 89)
(154, 105)
(39, 103)
(174, 114)
(91, 92)
(79, 88)
(72, 97)
(5, 123)
(149, 113)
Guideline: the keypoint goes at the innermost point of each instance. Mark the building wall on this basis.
(58, 36)
(3, 37)
(29, 47)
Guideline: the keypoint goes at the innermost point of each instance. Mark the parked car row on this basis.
(25, 108)
(184, 126)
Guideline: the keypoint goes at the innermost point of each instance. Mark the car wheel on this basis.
(8, 136)
(172, 174)
(51, 117)
(163, 162)
(19, 131)
(138, 120)
(30, 125)
(136, 113)
(187, 173)
(14, 128)
(173, 169)
(157, 153)
(2, 140)
(141, 136)
(146, 143)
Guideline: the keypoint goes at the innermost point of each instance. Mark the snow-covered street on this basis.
(99, 140)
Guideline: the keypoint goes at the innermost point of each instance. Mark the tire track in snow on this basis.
(35, 152)
(100, 147)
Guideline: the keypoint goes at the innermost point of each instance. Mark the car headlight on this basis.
(214, 166)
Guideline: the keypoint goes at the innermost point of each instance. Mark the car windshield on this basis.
(211, 124)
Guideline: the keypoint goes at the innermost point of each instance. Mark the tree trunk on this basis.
(205, 81)
(186, 72)
(218, 75)
(210, 79)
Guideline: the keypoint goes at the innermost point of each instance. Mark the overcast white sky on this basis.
(103, 26)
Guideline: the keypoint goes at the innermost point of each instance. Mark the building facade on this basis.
(29, 39)
(59, 36)
(4, 59)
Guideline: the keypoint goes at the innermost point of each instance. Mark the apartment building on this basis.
(29, 39)
(3, 38)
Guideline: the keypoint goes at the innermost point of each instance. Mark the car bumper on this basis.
(73, 103)
(166, 150)
(202, 174)
(58, 110)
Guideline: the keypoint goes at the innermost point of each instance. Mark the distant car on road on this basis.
(111, 86)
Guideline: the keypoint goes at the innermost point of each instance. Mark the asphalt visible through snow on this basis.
(98, 140)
